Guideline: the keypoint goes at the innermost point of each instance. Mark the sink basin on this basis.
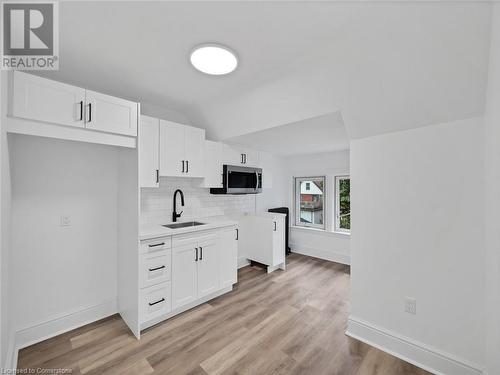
(183, 225)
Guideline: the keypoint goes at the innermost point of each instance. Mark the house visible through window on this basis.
(343, 204)
(310, 195)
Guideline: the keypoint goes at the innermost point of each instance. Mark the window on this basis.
(343, 204)
(310, 195)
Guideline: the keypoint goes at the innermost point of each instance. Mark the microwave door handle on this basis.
(256, 180)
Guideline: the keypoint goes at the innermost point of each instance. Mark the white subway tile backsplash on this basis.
(157, 203)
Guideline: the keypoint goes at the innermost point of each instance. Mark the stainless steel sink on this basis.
(183, 225)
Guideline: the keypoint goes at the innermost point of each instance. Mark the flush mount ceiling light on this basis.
(214, 59)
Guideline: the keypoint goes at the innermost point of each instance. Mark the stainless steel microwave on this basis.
(239, 180)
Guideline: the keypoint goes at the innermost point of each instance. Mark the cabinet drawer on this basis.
(156, 244)
(194, 238)
(155, 268)
(155, 301)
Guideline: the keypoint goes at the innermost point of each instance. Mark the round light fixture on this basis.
(214, 59)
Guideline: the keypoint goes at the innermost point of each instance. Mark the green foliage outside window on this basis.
(345, 203)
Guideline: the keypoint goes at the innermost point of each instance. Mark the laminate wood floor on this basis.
(289, 322)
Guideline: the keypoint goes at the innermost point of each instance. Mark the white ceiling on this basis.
(386, 66)
(318, 134)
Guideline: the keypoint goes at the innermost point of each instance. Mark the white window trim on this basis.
(337, 204)
(297, 222)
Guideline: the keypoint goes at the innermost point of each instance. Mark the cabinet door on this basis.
(45, 100)
(250, 157)
(228, 257)
(149, 151)
(110, 114)
(213, 165)
(184, 275)
(231, 156)
(194, 151)
(172, 160)
(208, 267)
(278, 241)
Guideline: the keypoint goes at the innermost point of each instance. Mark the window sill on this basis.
(321, 231)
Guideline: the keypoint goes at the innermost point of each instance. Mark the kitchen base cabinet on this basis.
(262, 239)
(155, 301)
(182, 271)
(228, 263)
(184, 274)
(208, 266)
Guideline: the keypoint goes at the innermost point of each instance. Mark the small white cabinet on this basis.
(49, 101)
(182, 150)
(110, 114)
(240, 155)
(42, 99)
(149, 151)
(262, 239)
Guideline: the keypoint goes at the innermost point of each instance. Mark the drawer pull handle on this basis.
(156, 269)
(155, 303)
(158, 244)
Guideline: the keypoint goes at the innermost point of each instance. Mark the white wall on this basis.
(492, 201)
(417, 231)
(6, 331)
(321, 244)
(277, 195)
(59, 271)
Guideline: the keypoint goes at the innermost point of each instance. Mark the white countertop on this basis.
(148, 231)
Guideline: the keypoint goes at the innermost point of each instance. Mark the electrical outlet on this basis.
(65, 221)
(410, 305)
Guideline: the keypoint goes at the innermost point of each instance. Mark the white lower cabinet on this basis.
(181, 271)
(154, 268)
(208, 266)
(228, 263)
(155, 302)
(184, 274)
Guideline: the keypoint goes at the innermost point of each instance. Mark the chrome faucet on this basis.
(175, 215)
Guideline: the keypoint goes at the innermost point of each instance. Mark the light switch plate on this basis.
(65, 221)
(410, 305)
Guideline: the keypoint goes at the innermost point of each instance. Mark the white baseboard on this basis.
(60, 324)
(419, 354)
(11, 360)
(333, 256)
(243, 262)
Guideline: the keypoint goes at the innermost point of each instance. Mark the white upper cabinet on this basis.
(182, 150)
(250, 157)
(41, 99)
(231, 156)
(149, 151)
(194, 151)
(240, 155)
(172, 161)
(213, 165)
(109, 114)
